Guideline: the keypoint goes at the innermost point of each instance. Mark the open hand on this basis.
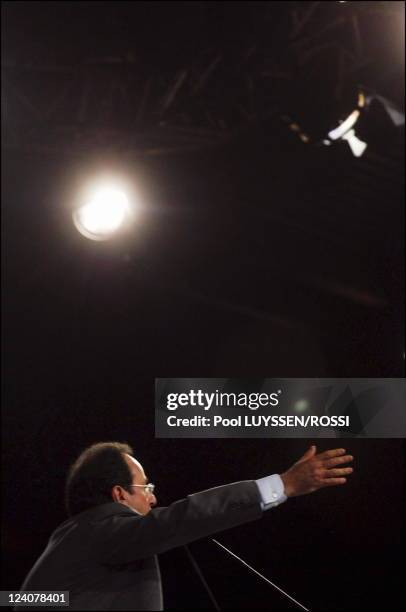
(312, 472)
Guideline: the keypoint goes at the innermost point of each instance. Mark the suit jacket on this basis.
(106, 556)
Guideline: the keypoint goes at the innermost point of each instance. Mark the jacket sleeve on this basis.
(121, 539)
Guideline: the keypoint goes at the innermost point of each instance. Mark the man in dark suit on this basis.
(105, 553)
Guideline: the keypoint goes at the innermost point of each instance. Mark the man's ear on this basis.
(117, 494)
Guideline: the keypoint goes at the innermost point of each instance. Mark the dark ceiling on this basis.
(258, 240)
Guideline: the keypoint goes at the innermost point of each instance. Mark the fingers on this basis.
(308, 454)
(332, 482)
(338, 461)
(329, 475)
(332, 453)
(338, 472)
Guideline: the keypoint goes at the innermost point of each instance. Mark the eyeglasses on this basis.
(148, 488)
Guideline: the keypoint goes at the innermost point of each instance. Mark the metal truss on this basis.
(118, 103)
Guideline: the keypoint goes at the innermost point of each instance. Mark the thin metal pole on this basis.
(263, 577)
(202, 578)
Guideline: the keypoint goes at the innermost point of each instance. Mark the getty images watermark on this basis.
(251, 401)
(270, 407)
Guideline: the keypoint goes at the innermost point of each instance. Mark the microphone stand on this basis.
(209, 591)
(260, 575)
(202, 578)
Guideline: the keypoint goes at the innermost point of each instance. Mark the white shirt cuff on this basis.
(272, 491)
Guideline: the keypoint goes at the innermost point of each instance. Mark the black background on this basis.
(261, 258)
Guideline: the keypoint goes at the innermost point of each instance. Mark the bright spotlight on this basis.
(345, 131)
(103, 215)
(357, 146)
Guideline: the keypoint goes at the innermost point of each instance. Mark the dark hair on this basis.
(94, 473)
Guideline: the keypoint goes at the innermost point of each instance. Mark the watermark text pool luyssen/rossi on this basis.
(279, 407)
(251, 401)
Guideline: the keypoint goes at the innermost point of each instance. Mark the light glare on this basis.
(301, 405)
(357, 146)
(344, 126)
(345, 131)
(100, 218)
